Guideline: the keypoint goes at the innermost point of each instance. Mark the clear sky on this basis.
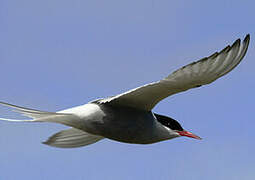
(56, 54)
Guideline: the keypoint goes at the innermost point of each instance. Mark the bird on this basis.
(128, 117)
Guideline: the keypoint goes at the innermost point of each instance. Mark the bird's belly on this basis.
(124, 125)
(125, 130)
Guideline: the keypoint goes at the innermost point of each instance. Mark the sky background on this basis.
(56, 54)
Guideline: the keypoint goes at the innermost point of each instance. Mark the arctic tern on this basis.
(128, 117)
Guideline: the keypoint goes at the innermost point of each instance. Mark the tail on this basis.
(70, 138)
(43, 116)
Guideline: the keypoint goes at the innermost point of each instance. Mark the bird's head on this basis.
(175, 127)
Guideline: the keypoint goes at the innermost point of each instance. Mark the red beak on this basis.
(188, 134)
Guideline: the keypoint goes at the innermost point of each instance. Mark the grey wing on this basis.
(190, 76)
(72, 138)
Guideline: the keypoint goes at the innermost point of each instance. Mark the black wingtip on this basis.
(247, 38)
(236, 43)
(44, 142)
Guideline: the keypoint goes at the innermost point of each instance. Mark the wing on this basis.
(72, 138)
(193, 75)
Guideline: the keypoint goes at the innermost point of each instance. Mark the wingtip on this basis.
(45, 142)
(48, 144)
(50, 140)
(236, 43)
(247, 38)
(245, 42)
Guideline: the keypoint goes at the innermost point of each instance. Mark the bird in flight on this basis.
(128, 117)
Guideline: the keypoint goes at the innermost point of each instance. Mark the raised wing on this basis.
(190, 76)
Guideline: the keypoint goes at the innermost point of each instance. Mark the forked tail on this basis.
(43, 116)
(70, 138)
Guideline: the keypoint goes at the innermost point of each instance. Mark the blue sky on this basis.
(57, 54)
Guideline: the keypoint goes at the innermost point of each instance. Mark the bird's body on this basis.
(128, 117)
(122, 124)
